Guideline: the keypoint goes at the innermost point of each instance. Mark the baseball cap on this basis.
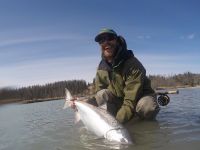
(104, 31)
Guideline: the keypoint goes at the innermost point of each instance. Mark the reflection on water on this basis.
(92, 142)
(46, 125)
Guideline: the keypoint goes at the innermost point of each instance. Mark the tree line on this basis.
(47, 91)
(80, 87)
(186, 79)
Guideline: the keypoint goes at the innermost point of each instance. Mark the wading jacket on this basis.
(126, 79)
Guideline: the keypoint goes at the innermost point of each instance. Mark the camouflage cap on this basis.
(103, 31)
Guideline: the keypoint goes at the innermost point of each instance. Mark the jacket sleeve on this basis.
(101, 80)
(133, 90)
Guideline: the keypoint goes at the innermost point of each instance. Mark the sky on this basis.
(45, 41)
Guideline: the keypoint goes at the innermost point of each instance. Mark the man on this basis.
(121, 81)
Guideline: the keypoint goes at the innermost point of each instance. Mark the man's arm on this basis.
(101, 80)
(132, 91)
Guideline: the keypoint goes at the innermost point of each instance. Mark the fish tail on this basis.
(68, 97)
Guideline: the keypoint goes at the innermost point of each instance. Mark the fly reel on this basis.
(163, 99)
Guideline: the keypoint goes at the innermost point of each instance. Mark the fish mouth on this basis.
(125, 141)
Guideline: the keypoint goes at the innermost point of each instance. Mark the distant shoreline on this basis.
(177, 87)
(9, 101)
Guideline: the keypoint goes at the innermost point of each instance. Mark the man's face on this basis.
(108, 44)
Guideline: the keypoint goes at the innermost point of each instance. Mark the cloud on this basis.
(49, 70)
(189, 37)
(68, 68)
(170, 64)
(144, 37)
(23, 40)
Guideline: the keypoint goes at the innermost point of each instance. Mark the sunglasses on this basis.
(108, 37)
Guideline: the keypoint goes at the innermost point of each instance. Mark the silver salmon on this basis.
(99, 121)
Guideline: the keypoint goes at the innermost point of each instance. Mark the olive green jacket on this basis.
(126, 79)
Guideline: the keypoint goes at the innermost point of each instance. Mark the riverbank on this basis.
(9, 101)
(177, 87)
(41, 100)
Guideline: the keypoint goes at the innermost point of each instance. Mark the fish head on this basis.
(120, 135)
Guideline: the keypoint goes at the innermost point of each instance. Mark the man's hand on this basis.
(124, 114)
(72, 103)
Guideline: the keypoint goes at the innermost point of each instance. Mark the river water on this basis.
(46, 126)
